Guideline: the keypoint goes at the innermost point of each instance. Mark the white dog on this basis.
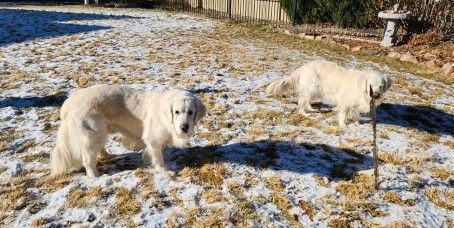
(150, 119)
(347, 89)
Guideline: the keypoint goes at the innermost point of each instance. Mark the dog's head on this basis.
(183, 111)
(378, 83)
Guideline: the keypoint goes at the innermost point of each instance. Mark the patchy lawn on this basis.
(254, 160)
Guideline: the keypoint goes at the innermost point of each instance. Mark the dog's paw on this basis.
(92, 173)
(304, 113)
(164, 171)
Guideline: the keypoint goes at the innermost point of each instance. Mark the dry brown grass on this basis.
(39, 222)
(269, 117)
(415, 91)
(331, 130)
(129, 144)
(255, 131)
(235, 189)
(2, 169)
(398, 224)
(83, 198)
(278, 198)
(448, 143)
(212, 196)
(14, 194)
(212, 174)
(278, 136)
(360, 187)
(40, 157)
(27, 144)
(353, 142)
(148, 190)
(175, 198)
(244, 211)
(31, 171)
(20, 75)
(441, 197)
(300, 120)
(215, 217)
(192, 215)
(125, 204)
(83, 81)
(52, 183)
(356, 194)
(308, 209)
(339, 223)
(209, 174)
(430, 138)
(387, 157)
(212, 138)
(441, 173)
(393, 197)
(3, 146)
(320, 180)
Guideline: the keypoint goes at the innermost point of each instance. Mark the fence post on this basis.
(200, 4)
(229, 8)
(294, 12)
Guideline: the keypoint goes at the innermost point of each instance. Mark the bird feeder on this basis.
(392, 20)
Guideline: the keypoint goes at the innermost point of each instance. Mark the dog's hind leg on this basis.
(304, 105)
(103, 153)
(94, 134)
(89, 163)
(309, 107)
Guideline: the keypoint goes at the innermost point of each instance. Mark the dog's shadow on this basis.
(422, 118)
(54, 100)
(306, 158)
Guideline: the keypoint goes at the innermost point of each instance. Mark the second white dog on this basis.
(325, 81)
(151, 119)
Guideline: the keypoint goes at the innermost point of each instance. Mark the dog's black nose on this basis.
(185, 128)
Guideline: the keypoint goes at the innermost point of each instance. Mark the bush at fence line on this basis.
(343, 13)
(426, 15)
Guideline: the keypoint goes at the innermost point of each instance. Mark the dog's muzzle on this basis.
(185, 128)
(376, 95)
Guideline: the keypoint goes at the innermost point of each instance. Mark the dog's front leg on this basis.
(154, 155)
(342, 117)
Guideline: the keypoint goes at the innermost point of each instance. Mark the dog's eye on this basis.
(177, 112)
(190, 113)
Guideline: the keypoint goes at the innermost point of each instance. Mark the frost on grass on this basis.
(254, 160)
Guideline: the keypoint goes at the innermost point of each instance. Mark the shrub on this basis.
(343, 13)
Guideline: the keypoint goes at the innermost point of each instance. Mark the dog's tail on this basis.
(283, 85)
(65, 109)
(61, 158)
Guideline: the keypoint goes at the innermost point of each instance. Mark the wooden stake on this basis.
(374, 129)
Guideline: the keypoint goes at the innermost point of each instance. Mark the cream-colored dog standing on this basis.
(153, 120)
(325, 81)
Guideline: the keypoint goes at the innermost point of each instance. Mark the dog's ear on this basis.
(371, 92)
(388, 82)
(200, 111)
(168, 112)
(367, 87)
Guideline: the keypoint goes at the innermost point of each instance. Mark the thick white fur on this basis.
(152, 120)
(325, 81)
